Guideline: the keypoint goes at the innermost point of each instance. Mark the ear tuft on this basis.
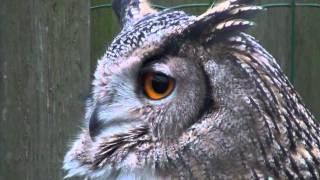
(223, 20)
(129, 11)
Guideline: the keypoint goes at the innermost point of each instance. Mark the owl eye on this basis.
(157, 85)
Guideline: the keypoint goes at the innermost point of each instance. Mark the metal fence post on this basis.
(293, 41)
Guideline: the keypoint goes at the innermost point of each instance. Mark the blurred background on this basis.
(49, 50)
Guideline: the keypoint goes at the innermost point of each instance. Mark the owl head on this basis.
(183, 96)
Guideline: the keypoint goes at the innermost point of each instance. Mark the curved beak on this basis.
(112, 123)
(95, 125)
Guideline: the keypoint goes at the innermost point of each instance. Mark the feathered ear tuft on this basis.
(129, 11)
(224, 18)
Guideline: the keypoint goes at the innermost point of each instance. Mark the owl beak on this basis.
(112, 124)
(95, 125)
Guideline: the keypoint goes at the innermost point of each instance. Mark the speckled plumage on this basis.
(232, 115)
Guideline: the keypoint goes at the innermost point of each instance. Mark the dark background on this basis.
(49, 50)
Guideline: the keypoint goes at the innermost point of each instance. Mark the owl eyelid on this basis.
(157, 72)
(157, 68)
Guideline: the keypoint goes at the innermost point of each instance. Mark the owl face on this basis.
(165, 92)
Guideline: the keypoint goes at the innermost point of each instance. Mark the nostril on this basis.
(94, 125)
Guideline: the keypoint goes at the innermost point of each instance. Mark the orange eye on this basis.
(157, 86)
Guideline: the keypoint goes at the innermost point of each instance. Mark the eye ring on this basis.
(157, 86)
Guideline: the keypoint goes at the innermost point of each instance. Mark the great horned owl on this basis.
(178, 96)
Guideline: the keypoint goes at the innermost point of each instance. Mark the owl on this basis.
(178, 96)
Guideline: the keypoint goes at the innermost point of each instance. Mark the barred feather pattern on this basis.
(162, 23)
(293, 131)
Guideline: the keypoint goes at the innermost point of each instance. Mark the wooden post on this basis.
(44, 81)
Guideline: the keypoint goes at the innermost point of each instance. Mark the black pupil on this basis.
(160, 83)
